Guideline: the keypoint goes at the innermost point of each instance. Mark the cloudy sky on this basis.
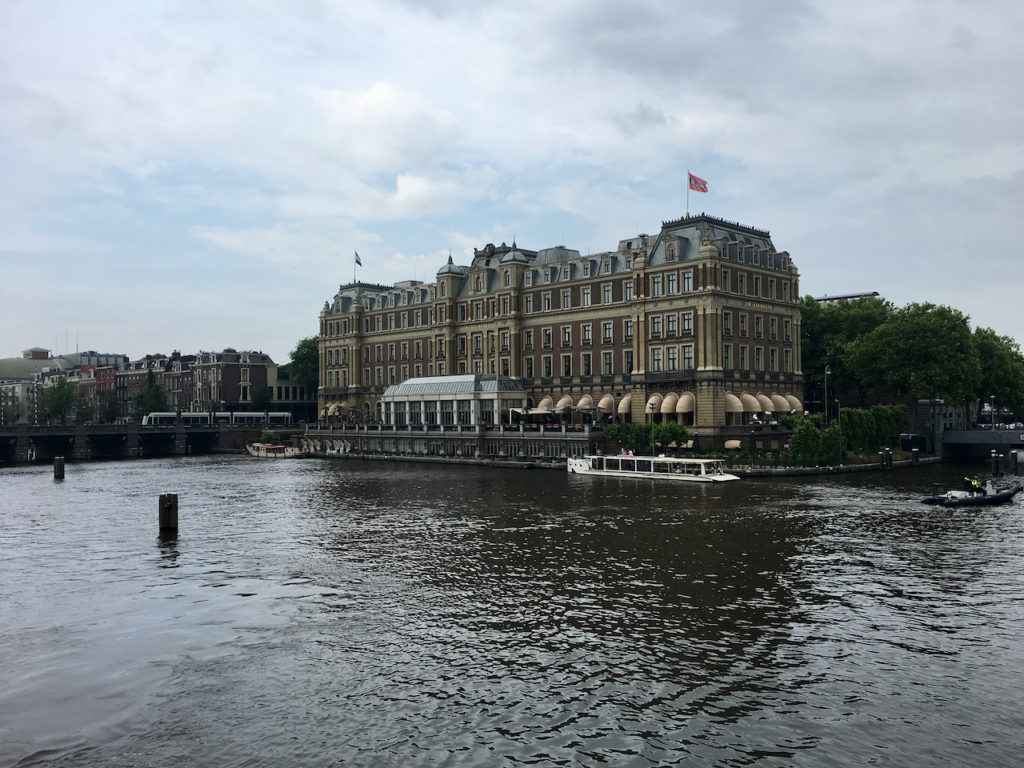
(196, 175)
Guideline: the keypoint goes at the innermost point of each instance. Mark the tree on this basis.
(923, 350)
(305, 364)
(1002, 370)
(153, 398)
(637, 437)
(109, 410)
(58, 399)
(262, 397)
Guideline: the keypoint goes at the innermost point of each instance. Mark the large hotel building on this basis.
(698, 324)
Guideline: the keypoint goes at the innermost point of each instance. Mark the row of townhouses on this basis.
(108, 385)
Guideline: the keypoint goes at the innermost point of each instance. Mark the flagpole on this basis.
(687, 194)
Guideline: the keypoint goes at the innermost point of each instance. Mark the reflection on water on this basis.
(384, 613)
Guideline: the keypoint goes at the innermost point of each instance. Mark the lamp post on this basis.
(652, 406)
(992, 407)
(827, 372)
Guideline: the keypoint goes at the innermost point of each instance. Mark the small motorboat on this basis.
(992, 492)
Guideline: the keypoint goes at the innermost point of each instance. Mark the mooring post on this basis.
(995, 463)
(168, 513)
(58, 467)
(915, 457)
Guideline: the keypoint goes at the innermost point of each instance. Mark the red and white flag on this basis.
(697, 184)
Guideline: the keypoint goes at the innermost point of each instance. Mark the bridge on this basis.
(79, 442)
(979, 443)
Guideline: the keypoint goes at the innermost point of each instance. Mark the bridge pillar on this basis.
(132, 445)
(180, 442)
(80, 448)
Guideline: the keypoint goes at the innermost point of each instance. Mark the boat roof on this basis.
(653, 458)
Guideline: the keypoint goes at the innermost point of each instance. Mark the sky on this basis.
(193, 175)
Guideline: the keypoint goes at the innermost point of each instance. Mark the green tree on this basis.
(805, 444)
(305, 364)
(923, 350)
(109, 411)
(826, 332)
(58, 399)
(637, 437)
(262, 397)
(153, 398)
(1002, 370)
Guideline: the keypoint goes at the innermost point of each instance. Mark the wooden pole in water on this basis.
(168, 513)
(58, 467)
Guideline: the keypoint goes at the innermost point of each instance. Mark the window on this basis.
(656, 285)
(787, 358)
(586, 297)
(743, 324)
(547, 338)
(508, 278)
(606, 294)
(528, 339)
(529, 303)
(656, 359)
(773, 359)
(566, 335)
(478, 282)
(606, 332)
(727, 356)
(627, 359)
(741, 283)
(627, 289)
(758, 329)
(656, 326)
(547, 300)
(565, 273)
(688, 280)
(672, 283)
(672, 252)
(773, 328)
(687, 322)
(606, 363)
(670, 324)
(758, 359)
(672, 359)
(725, 280)
(586, 269)
(586, 334)
(688, 357)
(727, 323)
(757, 285)
(786, 333)
(567, 365)
(504, 305)
(546, 366)
(528, 367)
(566, 299)
(528, 278)
(585, 368)
(743, 358)
(505, 341)
(627, 329)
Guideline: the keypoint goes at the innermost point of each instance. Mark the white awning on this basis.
(765, 402)
(654, 402)
(733, 403)
(607, 404)
(586, 403)
(732, 445)
(781, 404)
(688, 404)
(794, 403)
(750, 404)
(668, 405)
(626, 403)
(546, 402)
(565, 402)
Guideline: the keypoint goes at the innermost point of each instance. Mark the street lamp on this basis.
(992, 407)
(827, 372)
(652, 406)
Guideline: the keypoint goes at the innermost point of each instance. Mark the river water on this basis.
(348, 613)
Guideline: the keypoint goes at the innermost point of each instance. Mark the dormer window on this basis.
(672, 252)
(528, 278)
(508, 278)
(478, 282)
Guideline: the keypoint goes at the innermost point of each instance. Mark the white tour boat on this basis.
(653, 467)
(268, 451)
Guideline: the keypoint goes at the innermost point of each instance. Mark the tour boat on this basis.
(653, 467)
(268, 451)
(992, 493)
